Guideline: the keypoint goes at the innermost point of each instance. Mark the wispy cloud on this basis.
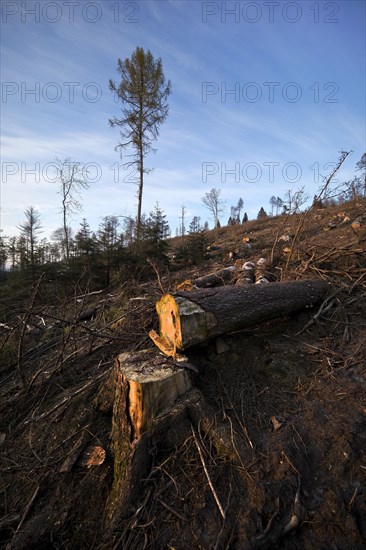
(223, 130)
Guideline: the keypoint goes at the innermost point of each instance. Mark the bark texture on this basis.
(190, 318)
(147, 388)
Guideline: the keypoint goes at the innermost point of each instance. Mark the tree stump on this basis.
(193, 317)
(148, 387)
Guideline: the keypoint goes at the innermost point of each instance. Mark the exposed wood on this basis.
(219, 278)
(189, 318)
(93, 455)
(207, 475)
(147, 389)
(154, 384)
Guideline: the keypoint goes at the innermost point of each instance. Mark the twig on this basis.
(307, 263)
(289, 461)
(270, 521)
(157, 275)
(207, 474)
(27, 509)
(235, 448)
(89, 294)
(241, 423)
(223, 523)
(344, 155)
(171, 509)
(295, 516)
(9, 519)
(135, 516)
(25, 319)
(324, 307)
(279, 230)
(357, 282)
(350, 504)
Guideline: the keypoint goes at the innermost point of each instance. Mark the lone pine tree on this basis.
(143, 91)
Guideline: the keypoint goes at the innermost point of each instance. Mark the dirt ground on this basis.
(290, 393)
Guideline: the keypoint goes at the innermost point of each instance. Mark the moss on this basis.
(121, 449)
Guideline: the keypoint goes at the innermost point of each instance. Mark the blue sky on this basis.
(264, 96)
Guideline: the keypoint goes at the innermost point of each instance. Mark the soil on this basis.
(290, 393)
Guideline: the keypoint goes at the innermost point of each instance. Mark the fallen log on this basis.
(88, 314)
(219, 278)
(190, 318)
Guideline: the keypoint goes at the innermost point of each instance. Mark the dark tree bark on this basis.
(148, 388)
(189, 318)
(215, 279)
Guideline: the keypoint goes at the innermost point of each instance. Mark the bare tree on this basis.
(59, 244)
(273, 203)
(182, 217)
(239, 207)
(3, 253)
(295, 199)
(72, 178)
(327, 180)
(233, 216)
(361, 166)
(353, 189)
(279, 204)
(214, 204)
(12, 250)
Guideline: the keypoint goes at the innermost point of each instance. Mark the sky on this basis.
(265, 94)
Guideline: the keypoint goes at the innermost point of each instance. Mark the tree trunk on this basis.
(66, 234)
(148, 389)
(141, 182)
(189, 318)
(154, 384)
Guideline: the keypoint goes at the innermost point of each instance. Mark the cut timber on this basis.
(215, 279)
(88, 314)
(219, 278)
(148, 387)
(189, 318)
(153, 385)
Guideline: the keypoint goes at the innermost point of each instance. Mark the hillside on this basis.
(286, 397)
